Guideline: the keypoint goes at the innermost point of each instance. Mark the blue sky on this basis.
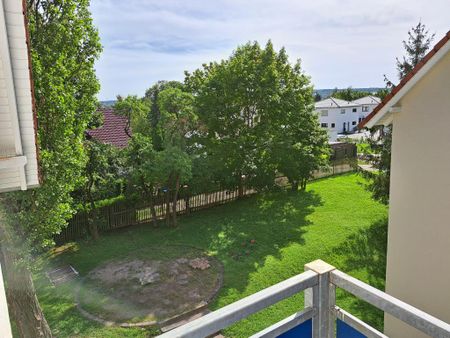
(341, 43)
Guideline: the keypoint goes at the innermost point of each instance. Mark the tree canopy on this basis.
(246, 105)
(417, 45)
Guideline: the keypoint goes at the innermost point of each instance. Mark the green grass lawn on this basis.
(335, 219)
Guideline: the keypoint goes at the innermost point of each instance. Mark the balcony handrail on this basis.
(224, 317)
(319, 283)
(419, 319)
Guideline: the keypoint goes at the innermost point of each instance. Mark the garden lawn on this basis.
(335, 220)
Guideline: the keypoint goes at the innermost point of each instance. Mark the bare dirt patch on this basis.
(140, 289)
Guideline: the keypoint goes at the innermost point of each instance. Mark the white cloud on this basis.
(341, 43)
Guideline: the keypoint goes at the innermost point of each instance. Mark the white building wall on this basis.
(336, 117)
(17, 132)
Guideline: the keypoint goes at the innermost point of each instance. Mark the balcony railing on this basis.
(320, 314)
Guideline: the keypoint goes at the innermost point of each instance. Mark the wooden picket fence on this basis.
(122, 214)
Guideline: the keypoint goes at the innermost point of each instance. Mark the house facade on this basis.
(341, 117)
(418, 268)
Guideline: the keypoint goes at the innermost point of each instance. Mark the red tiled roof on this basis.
(113, 131)
(408, 77)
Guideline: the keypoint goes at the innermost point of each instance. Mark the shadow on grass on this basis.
(366, 251)
(241, 234)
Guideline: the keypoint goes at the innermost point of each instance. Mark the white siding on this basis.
(15, 98)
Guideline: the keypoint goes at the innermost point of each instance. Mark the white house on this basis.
(340, 116)
(368, 104)
(418, 253)
(18, 156)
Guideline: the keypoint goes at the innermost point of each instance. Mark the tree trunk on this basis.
(303, 184)
(186, 203)
(149, 192)
(92, 225)
(92, 218)
(23, 304)
(174, 201)
(167, 198)
(153, 211)
(241, 187)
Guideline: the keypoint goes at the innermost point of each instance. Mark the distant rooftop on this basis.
(114, 129)
(368, 100)
(333, 102)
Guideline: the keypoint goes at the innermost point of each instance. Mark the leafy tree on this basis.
(317, 97)
(177, 124)
(151, 96)
(64, 46)
(303, 149)
(245, 106)
(380, 143)
(144, 173)
(349, 94)
(137, 111)
(416, 47)
(101, 175)
(382, 93)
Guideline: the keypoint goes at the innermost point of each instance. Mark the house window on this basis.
(365, 108)
(353, 123)
(342, 111)
(333, 125)
(354, 110)
(324, 125)
(324, 112)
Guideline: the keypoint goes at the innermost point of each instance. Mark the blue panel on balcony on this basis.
(304, 330)
(344, 330)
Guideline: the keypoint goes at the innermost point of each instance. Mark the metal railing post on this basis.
(322, 298)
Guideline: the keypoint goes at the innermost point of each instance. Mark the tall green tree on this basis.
(64, 46)
(101, 177)
(151, 97)
(143, 171)
(247, 105)
(137, 111)
(177, 125)
(416, 47)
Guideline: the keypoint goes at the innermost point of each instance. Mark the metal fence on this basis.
(320, 314)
